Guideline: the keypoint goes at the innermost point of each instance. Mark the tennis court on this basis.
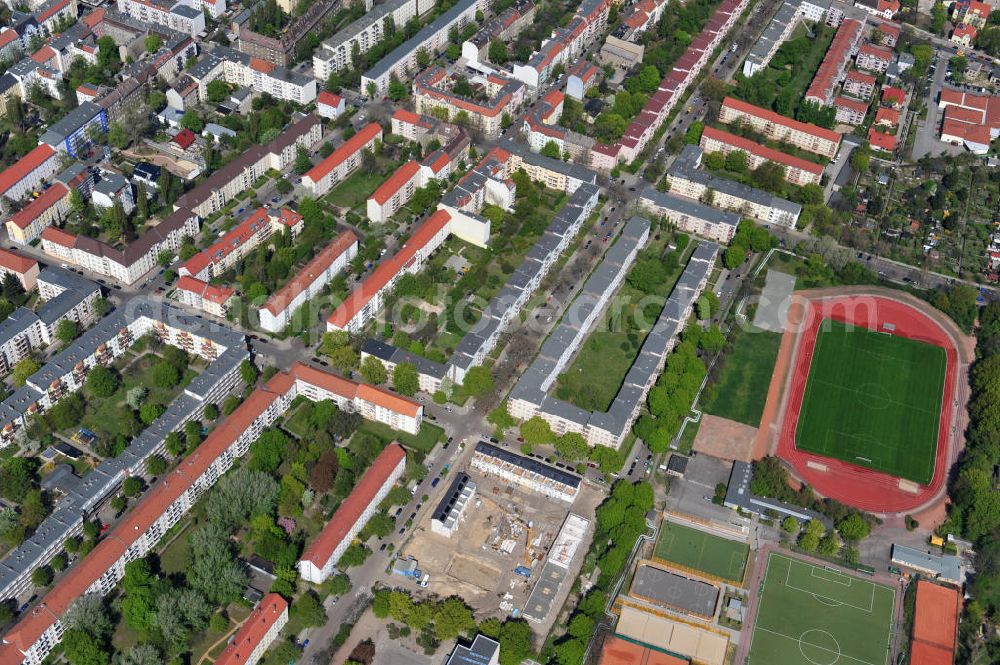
(815, 615)
(702, 551)
(874, 400)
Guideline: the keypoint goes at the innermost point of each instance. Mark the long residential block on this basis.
(798, 171)
(276, 314)
(525, 472)
(530, 396)
(319, 560)
(687, 179)
(783, 24)
(31, 640)
(239, 241)
(432, 39)
(335, 54)
(690, 216)
(257, 633)
(27, 173)
(802, 135)
(343, 161)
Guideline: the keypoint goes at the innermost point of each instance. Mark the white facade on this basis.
(276, 314)
(318, 571)
(402, 62)
(334, 54)
(28, 173)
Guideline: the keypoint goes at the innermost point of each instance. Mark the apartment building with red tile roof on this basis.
(893, 96)
(836, 61)
(321, 178)
(28, 223)
(224, 253)
(366, 299)
(393, 194)
(964, 34)
(887, 117)
(27, 173)
(40, 629)
(320, 557)
(193, 292)
(798, 171)
(275, 315)
(803, 135)
(889, 32)
(880, 141)
(850, 111)
(329, 105)
(24, 268)
(874, 58)
(972, 12)
(860, 84)
(257, 633)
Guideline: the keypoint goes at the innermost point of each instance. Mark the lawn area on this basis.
(297, 424)
(428, 437)
(785, 80)
(106, 416)
(810, 614)
(686, 441)
(702, 551)
(598, 370)
(356, 189)
(873, 400)
(741, 390)
(177, 556)
(594, 378)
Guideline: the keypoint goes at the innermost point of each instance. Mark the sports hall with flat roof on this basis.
(873, 399)
(672, 590)
(809, 614)
(701, 551)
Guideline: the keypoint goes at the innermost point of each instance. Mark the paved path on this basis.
(219, 641)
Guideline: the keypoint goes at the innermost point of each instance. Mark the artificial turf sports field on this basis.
(701, 551)
(811, 615)
(874, 400)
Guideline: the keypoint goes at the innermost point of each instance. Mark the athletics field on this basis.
(873, 399)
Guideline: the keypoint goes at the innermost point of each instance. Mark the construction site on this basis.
(509, 550)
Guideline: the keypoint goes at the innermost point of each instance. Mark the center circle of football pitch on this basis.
(819, 647)
(873, 396)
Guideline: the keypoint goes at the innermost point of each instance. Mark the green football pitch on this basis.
(874, 400)
(702, 551)
(811, 615)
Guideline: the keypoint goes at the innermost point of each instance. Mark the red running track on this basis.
(848, 483)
